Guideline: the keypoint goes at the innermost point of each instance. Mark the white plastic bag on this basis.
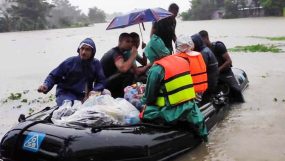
(97, 111)
(99, 100)
(64, 110)
(89, 117)
(131, 114)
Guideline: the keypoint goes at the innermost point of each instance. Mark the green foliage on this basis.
(185, 15)
(5, 18)
(15, 96)
(256, 48)
(273, 7)
(96, 15)
(31, 111)
(280, 38)
(231, 9)
(29, 15)
(23, 15)
(24, 100)
(202, 9)
(66, 15)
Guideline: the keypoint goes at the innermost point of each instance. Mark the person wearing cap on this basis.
(78, 76)
(169, 93)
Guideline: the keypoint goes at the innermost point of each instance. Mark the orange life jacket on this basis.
(177, 86)
(198, 70)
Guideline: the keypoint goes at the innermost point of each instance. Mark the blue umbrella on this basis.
(139, 16)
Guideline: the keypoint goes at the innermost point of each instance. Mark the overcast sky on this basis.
(110, 6)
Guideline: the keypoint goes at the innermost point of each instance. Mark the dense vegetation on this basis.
(22, 15)
(204, 9)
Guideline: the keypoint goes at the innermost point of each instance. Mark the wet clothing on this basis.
(165, 29)
(198, 70)
(219, 49)
(115, 80)
(156, 49)
(177, 86)
(210, 61)
(76, 77)
(236, 91)
(186, 111)
(227, 76)
(108, 61)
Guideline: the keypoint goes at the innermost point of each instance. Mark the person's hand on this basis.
(134, 51)
(94, 93)
(149, 65)
(143, 45)
(43, 89)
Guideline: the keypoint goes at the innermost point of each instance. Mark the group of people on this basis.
(173, 79)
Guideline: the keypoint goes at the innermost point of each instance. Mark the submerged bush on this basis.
(15, 96)
(256, 48)
(280, 38)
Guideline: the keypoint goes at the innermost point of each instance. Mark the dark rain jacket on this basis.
(76, 77)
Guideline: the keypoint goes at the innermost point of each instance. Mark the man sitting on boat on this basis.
(76, 77)
(226, 74)
(120, 70)
(211, 67)
(169, 93)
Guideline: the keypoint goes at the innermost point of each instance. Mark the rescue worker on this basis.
(169, 94)
(184, 46)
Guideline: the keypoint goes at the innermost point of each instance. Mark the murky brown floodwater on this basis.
(253, 131)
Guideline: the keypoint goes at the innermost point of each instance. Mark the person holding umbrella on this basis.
(165, 28)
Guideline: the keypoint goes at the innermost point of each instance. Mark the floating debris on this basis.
(275, 99)
(265, 75)
(24, 100)
(15, 96)
(19, 106)
(31, 111)
(26, 91)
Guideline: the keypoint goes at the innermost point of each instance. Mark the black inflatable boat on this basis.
(36, 139)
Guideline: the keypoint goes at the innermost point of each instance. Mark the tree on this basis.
(5, 18)
(29, 15)
(202, 9)
(231, 9)
(96, 15)
(66, 15)
(273, 7)
(185, 15)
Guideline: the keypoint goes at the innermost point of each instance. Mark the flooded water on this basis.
(253, 131)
